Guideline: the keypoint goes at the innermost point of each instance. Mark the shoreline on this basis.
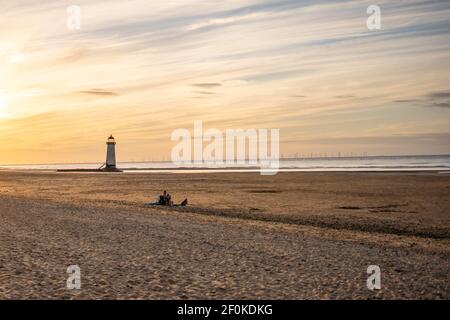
(313, 164)
(231, 170)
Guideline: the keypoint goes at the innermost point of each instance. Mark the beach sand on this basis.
(243, 235)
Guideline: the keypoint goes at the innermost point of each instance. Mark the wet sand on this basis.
(243, 236)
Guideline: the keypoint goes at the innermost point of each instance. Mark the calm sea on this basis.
(375, 163)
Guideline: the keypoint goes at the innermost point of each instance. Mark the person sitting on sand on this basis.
(163, 198)
(169, 200)
(166, 200)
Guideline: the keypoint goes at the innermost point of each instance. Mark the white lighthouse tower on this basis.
(111, 154)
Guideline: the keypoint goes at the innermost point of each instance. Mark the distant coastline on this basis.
(330, 164)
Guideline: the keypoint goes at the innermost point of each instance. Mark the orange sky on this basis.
(141, 69)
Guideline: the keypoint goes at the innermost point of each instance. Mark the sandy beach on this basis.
(243, 236)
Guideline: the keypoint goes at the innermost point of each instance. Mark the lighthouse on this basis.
(110, 153)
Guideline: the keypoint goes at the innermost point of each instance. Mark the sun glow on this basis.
(17, 57)
(3, 106)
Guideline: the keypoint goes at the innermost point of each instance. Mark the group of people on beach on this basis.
(166, 200)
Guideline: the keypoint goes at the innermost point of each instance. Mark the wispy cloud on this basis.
(345, 96)
(439, 95)
(98, 92)
(407, 100)
(204, 92)
(440, 99)
(207, 85)
(224, 21)
(441, 104)
(309, 67)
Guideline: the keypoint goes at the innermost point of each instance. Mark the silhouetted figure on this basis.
(169, 200)
(166, 200)
(163, 198)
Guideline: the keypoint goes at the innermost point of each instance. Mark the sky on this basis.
(140, 69)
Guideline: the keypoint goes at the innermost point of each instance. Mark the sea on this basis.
(331, 164)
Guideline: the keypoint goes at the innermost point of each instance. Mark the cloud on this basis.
(224, 21)
(98, 92)
(439, 95)
(276, 75)
(407, 100)
(345, 96)
(439, 99)
(440, 104)
(204, 92)
(207, 85)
